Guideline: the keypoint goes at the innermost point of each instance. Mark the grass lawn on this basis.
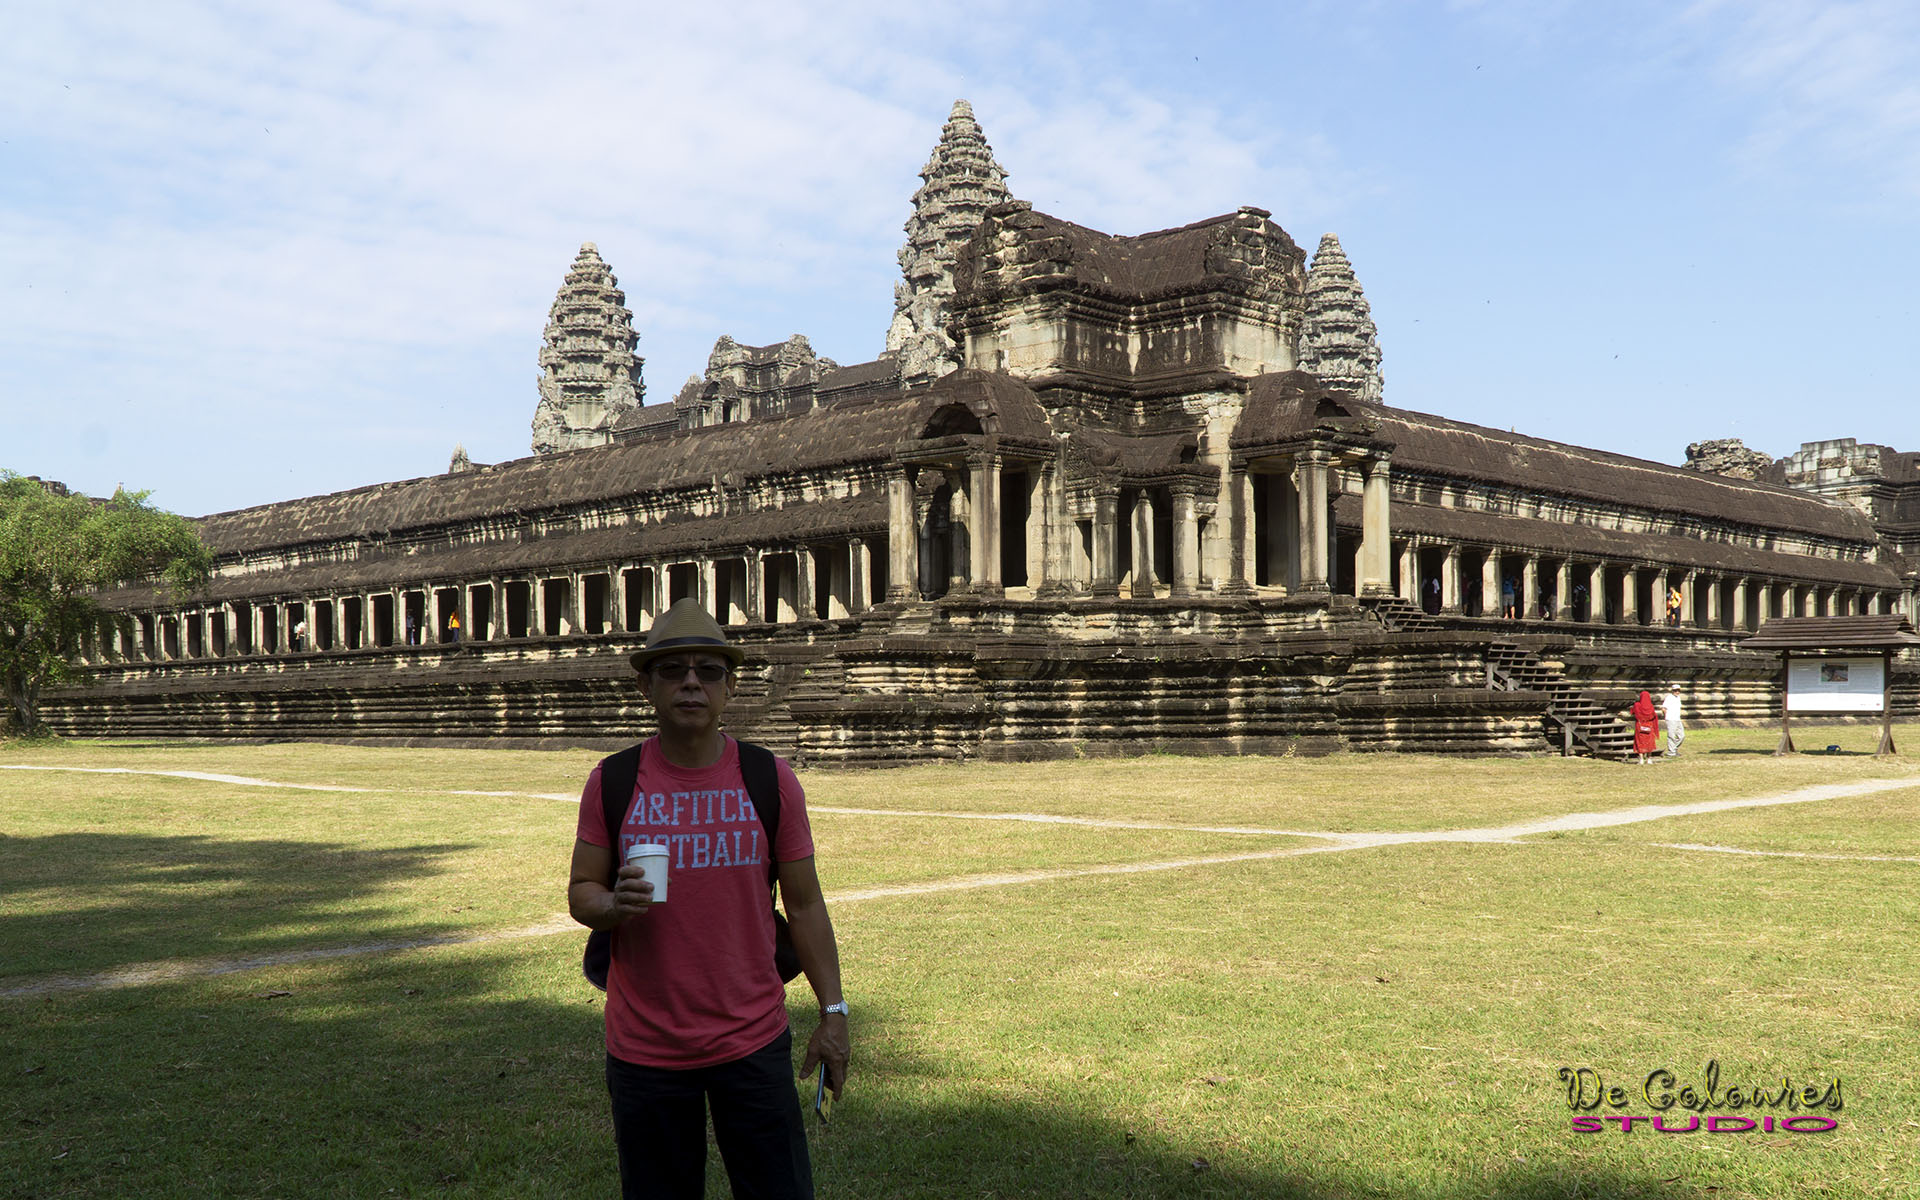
(362, 993)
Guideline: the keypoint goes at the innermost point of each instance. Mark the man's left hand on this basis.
(828, 1049)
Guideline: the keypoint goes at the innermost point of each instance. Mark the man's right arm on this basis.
(590, 901)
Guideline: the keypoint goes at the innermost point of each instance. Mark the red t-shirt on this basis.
(693, 982)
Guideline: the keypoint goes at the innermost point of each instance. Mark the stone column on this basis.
(257, 621)
(536, 606)
(1312, 469)
(1528, 602)
(1766, 601)
(985, 510)
(1713, 602)
(960, 565)
(1046, 560)
(1490, 583)
(756, 569)
(1740, 603)
(1186, 542)
(859, 570)
(803, 589)
(1105, 549)
(1659, 614)
(1687, 584)
(1376, 530)
(1245, 548)
(1143, 573)
(1450, 581)
(617, 597)
(1875, 605)
(1597, 594)
(1410, 572)
(661, 589)
(903, 539)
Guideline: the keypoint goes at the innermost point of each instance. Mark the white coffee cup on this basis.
(652, 858)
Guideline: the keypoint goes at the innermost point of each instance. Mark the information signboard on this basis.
(1821, 684)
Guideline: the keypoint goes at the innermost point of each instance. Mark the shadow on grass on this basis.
(477, 1072)
(147, 898)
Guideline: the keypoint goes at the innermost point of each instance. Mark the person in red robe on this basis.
(1646, 728)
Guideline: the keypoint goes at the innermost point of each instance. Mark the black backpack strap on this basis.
(618, 773)
(762, 778)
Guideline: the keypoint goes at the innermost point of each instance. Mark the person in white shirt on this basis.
(1676, 732)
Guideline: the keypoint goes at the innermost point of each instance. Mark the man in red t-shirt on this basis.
(696, 1012)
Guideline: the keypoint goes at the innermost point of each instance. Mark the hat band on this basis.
(675, 643)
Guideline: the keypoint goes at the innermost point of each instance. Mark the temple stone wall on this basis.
(987, 680)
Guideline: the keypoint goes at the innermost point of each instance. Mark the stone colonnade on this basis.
(1459, 578)
(983, 523)
(823, 580)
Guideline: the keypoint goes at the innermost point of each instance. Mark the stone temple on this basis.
(1100, 494)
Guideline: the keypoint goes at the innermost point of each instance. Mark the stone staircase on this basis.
(1583, 723)
(1398, 614)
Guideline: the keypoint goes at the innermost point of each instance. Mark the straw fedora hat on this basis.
(682, 628)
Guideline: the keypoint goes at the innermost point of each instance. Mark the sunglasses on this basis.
(675, 671)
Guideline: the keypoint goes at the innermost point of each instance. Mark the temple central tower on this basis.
(589, 374)
(1339, 342)
(960, 182)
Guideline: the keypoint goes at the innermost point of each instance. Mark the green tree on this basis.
(56, 550)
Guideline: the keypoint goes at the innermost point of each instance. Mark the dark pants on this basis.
(660, 1127)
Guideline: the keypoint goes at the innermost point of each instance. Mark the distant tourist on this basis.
(1433, 596)
(1674, 602)
(1676, 732)
(413, 630)
(1646, 728)
(696, 1011)
(1580, 612)
(300, 635)
(1506, 597)
(453, 627)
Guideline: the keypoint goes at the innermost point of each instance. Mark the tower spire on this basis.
(589, 374)
(960, 182)
(1339, 342)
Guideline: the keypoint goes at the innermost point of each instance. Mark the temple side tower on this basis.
(1338, 341)
(589, 374)
(960, 183)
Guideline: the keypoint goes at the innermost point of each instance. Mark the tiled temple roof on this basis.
(841, 435)
(1017, 247)
(516, 558)
(1285, 405)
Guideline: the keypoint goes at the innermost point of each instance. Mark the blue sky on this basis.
(256, 251)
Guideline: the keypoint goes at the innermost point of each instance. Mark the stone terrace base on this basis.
(962, 678)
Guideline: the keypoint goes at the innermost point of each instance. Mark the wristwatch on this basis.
(830, 1009)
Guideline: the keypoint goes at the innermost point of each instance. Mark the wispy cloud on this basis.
(1828, 84)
